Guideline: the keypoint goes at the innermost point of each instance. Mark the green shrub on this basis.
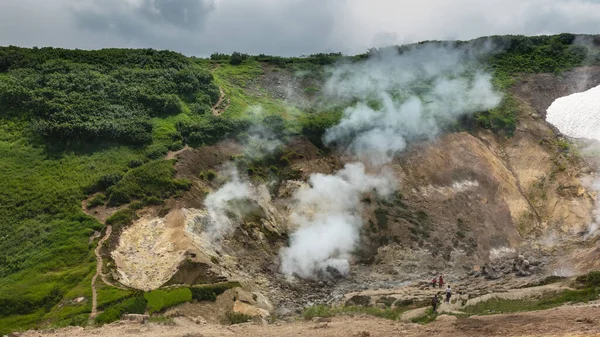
(427, 317)
(237, 58)
(589, 280)
(203, 294)
(211, 175)
(156, 151)
(135, 163)
(98, 200)
(237, 318)
(109, 180)
(314, 125)
(176, 146)
(152, 200)
(108, 316)
(161, 320)
(547, 301)
(134, 305)
(159, 300)
(151, 180)
(317, 311)
(209, 292)
(136, 205)
(503, 118)
(210, 129)
(123, 218)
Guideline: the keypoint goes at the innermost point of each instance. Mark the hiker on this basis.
(448, 294)
(433, 282)
(441, 281)
(435, 301)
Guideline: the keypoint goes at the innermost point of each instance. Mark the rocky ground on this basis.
(564, 321)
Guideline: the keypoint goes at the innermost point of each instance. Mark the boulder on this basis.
(135, 318)
(359, 300)
(362, 334)
(244, 296)
(249, 310)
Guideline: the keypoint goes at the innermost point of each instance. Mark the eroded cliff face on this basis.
(460, 200)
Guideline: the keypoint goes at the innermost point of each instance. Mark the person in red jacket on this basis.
(434, 282)
(441, 283)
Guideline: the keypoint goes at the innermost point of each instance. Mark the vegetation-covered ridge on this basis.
(75, 123)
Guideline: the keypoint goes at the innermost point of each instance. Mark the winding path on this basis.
(215, 108)
(98, 271)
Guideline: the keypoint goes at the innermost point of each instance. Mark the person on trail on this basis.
(448, 294)
(441, 281)
(433, 282)
(435, 301)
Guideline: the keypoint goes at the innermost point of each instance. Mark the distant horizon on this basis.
(285, 28)
(207, 56)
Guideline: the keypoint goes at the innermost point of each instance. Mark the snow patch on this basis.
(577, 115)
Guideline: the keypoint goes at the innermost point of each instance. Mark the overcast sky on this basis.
(281, 27)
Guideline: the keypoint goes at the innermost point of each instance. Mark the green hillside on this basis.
(73, 123)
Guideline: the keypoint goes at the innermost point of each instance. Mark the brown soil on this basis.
(564, 321)
(540, 90)
(174, 154)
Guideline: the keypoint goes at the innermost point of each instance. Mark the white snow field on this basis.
(577, 115)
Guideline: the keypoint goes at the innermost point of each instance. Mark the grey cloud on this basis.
(188, 14)
(146, 22)
(290, 27)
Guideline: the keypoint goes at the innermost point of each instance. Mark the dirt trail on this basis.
(98, 271)
(216, 109)
(173, 154)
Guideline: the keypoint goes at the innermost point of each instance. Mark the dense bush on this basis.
(122, 217)
(503, 118)
(25, 305)
(134, 305)
(98, 200)
(237, 58)
(211, 129)
(75, 101)
(203, 294)
(537, 54)
(314, 125)
(152, 179)
(109, 180)
(162, 299)
(589, 280)
(209, 292)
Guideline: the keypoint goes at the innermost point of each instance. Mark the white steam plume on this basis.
(417, 92)
(403, 97)
(221, 207)
(329, 220)
(262, 138)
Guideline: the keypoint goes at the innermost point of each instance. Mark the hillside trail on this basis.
(174, 154)
(98, 271)
(216, 110)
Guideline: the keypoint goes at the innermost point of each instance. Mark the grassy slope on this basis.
(48, 238)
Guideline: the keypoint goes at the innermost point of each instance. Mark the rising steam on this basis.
(328, 216)
(406, 97)
(402, 97)
(222, 207)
